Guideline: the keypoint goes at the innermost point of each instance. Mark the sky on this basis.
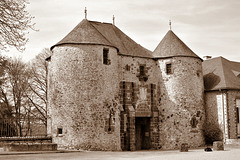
(208, 27)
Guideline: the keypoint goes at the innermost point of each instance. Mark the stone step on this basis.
(233, 141)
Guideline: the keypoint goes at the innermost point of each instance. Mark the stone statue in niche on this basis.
(110, 117)
(110, 122)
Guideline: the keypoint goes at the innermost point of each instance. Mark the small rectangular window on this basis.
(169, 68)
(142, 71)
(59, 131)
(105, 56)
(142, 75)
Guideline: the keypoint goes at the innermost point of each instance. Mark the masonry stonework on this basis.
(106, 92)
(211, 106)
(221, 112)
(215, 107)
(232, 95)
(84, 97)
(138, 81)
(181, 102)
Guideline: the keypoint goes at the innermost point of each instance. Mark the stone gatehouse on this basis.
(106, 92)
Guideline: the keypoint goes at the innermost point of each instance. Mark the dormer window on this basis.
(106, 59)
(169, 68)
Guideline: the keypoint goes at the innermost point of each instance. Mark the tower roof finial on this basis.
(170, 24)
(113, 20)
(85, 11)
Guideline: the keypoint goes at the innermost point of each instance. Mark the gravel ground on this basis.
(197, 154)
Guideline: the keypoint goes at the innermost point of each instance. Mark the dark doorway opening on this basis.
(142, 131)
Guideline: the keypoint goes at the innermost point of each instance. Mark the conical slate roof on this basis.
(84, 33)
(220, 73)
(91, 32)
(172, 46)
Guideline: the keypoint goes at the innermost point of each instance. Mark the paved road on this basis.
(231, 154)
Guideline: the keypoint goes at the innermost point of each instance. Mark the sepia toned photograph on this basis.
(129, 79)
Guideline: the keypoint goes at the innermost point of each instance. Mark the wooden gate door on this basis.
(142, 130)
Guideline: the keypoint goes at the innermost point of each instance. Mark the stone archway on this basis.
(139, 117)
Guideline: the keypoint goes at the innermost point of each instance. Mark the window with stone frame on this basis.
(141, 68)
(142, 73)
(238, 110)
(169, 68)
(106, 59)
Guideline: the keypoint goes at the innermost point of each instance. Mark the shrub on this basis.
(212, 133)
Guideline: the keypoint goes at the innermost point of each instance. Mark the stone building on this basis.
(222, 97)
(106, 92)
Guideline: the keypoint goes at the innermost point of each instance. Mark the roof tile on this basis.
(220, 73)
(91, 32)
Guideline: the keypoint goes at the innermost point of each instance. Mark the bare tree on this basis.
(14, 22)
(38, 85)
(5, 106)
(23, 93)
(15, 89)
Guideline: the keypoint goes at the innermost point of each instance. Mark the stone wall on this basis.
(83, 98)
(211, 106)
(95, 106)
(215, 107)
(138, 96)
(178, 98)
(181, 104)
(232, 95)
(129, 69)
(221, 111)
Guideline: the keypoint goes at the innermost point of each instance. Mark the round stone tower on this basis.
(83, 89)
(181, 104)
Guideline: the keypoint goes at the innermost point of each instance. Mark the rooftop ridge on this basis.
(100, 22)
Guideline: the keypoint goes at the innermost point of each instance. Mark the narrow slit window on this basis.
(169, 68)
(237, 114)
(238, 110)
(105, 56)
